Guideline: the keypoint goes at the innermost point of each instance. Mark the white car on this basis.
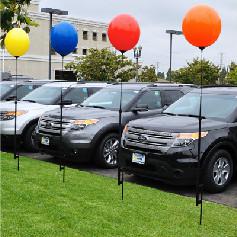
(33, 105)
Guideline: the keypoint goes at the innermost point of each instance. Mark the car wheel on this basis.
(29, 143)
(107, 152)
(218, 172)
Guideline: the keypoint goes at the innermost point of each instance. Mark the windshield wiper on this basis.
(172, 114)
(191, 115)
(32, 101)
(95, 106)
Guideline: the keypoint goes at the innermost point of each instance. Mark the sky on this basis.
(154, 18)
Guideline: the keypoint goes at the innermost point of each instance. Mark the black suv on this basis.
(90, 130)
(166, 147)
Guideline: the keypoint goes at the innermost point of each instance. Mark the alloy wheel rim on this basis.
(221, 171)
(110, 151)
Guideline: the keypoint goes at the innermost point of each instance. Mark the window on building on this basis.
(85, 35)
(104, 37)
(94, 36)
(84, 51)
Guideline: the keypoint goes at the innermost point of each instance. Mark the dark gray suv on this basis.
(90, 130)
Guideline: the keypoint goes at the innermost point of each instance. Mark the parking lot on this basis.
(228, 197)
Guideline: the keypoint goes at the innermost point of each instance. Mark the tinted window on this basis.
(93, 90)
(5, 88)
(44, 95)
(169, 97)
(22, 91)
(151, 98)
(110, 98)
(213, 106)
(76, 95)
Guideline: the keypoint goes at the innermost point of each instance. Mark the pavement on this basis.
(228, 197)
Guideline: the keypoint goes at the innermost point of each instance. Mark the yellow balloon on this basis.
(17, 42)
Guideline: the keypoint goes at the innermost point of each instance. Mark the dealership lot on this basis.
(228, 197)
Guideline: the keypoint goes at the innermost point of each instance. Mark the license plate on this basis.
(138, 158)
(45, 141)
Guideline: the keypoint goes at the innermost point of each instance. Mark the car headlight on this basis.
(82, 123)
(125, 130)
(9, 115)
(185, 139)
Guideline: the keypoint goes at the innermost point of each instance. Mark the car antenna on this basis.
(199, 184)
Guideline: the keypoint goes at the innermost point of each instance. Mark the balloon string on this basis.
(199, 187)
(16, 156)
(61, 166)
(120, 126)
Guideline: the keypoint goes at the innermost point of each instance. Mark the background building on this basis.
(91, 34)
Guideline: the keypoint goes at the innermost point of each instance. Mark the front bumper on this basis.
(175, 168)
(67, 148)
(8, 127)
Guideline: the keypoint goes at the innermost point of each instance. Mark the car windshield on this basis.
(214, 106)
(5, 88)
(110, 98)
(44, 95)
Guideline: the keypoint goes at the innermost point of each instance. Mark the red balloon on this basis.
(124, 32)
(201, 26)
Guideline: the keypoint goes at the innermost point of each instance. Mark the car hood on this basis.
(167, 123)
(25, 105)
(83, 113)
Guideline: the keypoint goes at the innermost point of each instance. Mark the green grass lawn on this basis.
(35, 202)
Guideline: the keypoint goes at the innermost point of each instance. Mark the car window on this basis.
(151, 98)
(22, 90)
(93, 90)
(170, 96)
(5, 88)
(47, 95)
(77, 95)
(189, 105)
(109, 98)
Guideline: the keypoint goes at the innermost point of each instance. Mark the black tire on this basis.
(28, 141)
(218, 172)
(108, 159)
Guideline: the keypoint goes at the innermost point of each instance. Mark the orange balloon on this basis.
(201, 26)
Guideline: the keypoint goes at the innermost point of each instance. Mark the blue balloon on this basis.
(64, 38)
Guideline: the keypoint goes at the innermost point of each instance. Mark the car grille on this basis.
(49, 125)
(142, 139)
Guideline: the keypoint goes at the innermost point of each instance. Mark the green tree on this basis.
(231, 77)
(148, 74)
(102, 65)
(192, 73)
(13, 13)
(161, 75)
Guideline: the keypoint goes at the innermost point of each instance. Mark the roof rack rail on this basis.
(223, 85)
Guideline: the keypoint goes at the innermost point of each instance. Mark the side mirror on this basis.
(13, 97)
(140, 108)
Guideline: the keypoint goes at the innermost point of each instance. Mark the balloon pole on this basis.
(16, 155)
(120, 171)
(61, 166)
(199, 185)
